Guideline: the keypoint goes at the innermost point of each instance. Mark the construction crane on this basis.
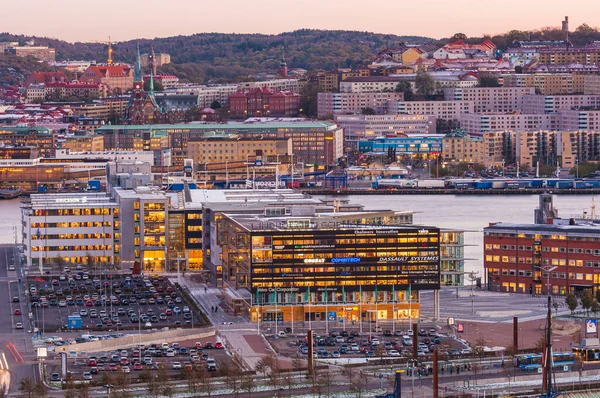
(109, 59)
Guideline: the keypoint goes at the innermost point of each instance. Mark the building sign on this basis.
(591, 326)
(314, 260)
(72, 200)
(407, 259)
(278, 289)
(460, 327)
(331, 316)
(345, 260)
(297, 223)
(423, 231)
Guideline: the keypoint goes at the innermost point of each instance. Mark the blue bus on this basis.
(534, 361)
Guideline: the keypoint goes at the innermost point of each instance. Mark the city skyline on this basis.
(72, 22)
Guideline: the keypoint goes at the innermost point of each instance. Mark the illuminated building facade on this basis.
(318, 268)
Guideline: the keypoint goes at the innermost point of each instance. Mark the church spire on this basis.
(137, 71)
(283, 69)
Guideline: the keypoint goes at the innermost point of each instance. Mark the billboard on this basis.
(591, 326)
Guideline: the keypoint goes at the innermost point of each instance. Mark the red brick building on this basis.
(264, 102)
(118, 78)
(563, 255)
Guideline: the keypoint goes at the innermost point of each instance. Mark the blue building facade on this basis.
(411, 145)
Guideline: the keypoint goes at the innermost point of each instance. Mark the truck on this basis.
(431, 183)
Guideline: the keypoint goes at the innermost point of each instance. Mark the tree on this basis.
(157, 85)
(587, 300)
(190, 376)
(232, 378)
(458, 36)
(83, 391)
(27, 387)
(488, 80)
(424, 82)
(215, 105)
(206, 382)
(595, 307)
(585, 169)
(248, 383)
(368, 111)
(572, 303)
(168, 390)
(308, 100)
(555, 305)
(518, 69)
(405, 87)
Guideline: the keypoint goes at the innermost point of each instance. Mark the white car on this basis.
(176, 365)
(18, 325)
(11, 268)
(354, 347)
(125, 369)
(393, 353)
(374, 342)
(87, 376)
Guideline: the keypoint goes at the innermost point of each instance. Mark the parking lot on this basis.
(352, 344)
(107, 302)
(207, 355)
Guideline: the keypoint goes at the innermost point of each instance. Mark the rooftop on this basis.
(578, 229)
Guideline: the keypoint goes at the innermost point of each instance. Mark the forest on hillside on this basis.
(216, 57)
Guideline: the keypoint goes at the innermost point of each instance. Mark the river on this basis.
(467, 212)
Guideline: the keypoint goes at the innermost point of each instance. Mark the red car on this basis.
(138, 366)
(219, 345)
(92, 362)
(113, 367)
(17, 312)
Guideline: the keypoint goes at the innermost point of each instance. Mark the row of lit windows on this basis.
(72, 212)
(73, 236)
(71, 248)
(88, 224)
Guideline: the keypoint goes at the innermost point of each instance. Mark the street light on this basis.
(547, 269)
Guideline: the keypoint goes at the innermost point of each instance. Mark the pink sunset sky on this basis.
(124, 20)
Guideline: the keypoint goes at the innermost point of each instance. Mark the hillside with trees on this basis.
(219, 57)
(212, 57)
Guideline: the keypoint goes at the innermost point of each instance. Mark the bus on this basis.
(534, 361)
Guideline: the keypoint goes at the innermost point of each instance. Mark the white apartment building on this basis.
(61, 229)
(370, 84)
(361, 127)
(353, 103)
(206, 94)
(579, 120)
(591, 84)
(448, 110)
(478, 123)
(35, 92)
(555, 103)
(278, 84)
(490, 99)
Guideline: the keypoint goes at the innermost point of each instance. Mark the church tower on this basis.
(283, 69)
(151, 68)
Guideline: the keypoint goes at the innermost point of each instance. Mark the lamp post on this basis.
(547, 270)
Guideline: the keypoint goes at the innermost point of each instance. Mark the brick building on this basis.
(118, 78)
(554, 254)
(263, 101)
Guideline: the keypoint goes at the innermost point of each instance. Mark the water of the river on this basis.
(466, 212)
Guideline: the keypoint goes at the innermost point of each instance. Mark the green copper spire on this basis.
(137, 70)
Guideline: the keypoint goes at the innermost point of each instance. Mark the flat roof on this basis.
(549, 228)
(253, 125)
(235, 197)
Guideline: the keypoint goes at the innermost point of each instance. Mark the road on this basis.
(16, 350)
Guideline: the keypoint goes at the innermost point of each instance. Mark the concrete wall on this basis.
(135, 339)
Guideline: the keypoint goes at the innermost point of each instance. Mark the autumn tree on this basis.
(587, 300)
(572, 303)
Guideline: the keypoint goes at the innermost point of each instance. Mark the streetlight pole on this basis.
(227, 174)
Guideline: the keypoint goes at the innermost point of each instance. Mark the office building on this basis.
(459, 146)
(479, 123)
(235, 149)
(447, 110)
(69, 229)
(302, 267)
(368, 127)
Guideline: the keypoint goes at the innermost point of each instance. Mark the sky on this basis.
(75, 20)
